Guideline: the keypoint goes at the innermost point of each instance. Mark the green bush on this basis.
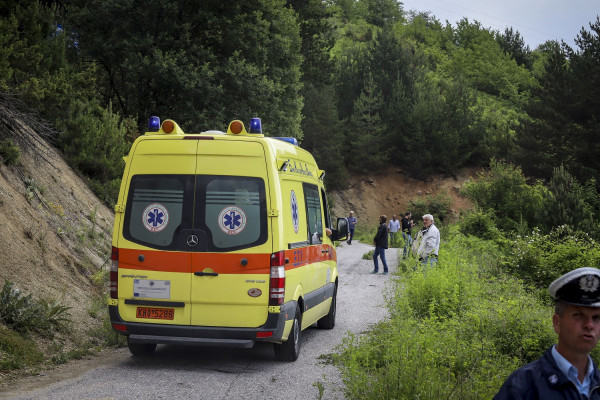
(438, 206)
(539, 259)
(503, 190)
(20, 313)
(480, 224)
(9, 152)
(107, 191)
(23, 314)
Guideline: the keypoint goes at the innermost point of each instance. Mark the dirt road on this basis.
(207, 373)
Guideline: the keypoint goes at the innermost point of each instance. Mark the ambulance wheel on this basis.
(141, 349)
(328, 321)
(290, 350)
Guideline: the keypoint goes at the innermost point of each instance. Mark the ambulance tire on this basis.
(141, 349)
(328, 321)
(290, 349)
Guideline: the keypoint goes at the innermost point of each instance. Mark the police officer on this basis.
(565, 371)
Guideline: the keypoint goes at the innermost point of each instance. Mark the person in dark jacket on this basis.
(406, 226)
(565, 371)
(381, 243)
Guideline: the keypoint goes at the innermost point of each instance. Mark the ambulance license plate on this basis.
(155, 313)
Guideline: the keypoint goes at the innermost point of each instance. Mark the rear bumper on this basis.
(204, 335)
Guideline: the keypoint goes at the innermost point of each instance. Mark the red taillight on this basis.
(114, 273)
(277, 282)
(264, 334)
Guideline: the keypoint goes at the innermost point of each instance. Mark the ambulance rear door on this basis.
(154, 258)
(230, 268)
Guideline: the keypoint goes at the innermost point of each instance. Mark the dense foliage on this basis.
(458, 330)
(363, 84)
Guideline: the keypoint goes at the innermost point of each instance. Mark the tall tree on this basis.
(545, 138)
(585, 109)
(198, 63)
(320, 125)
(366, 131)
(514, 45)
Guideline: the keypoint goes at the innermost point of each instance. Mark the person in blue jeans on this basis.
(351, 226)
(406, 226)
(381, 243)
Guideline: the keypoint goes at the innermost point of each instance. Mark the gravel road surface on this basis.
(207, 373)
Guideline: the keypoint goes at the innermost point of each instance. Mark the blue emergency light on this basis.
(153, 124)
(291, 140)
(255, 125)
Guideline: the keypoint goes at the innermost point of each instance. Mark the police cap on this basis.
(580, 287)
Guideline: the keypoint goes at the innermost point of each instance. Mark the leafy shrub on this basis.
(23, 314)
(55, 313)
(108, 191)
(504, 191)
(18, 312)
(438, 206)
(539, 259)
(94, 142)
(479, 223)
(9, 152)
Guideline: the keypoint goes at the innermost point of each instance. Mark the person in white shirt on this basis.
(429, 245)
(393, 228)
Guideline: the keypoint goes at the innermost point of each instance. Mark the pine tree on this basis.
(367, 130)
(564, 204)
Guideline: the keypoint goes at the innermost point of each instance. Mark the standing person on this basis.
(351, 226)
(393, 227)
(430, 242)
(566, 370)
(381, 243)
(407, 224)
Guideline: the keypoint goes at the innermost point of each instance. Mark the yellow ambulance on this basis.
(221, 239)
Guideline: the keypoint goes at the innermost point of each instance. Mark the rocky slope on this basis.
(54, 233)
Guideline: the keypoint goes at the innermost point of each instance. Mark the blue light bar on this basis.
(291, 140)
(153, 124)
(255, 126)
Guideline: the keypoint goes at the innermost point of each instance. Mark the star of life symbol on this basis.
(232, 220)
(294, 207)
(589, 283)
(155, 217)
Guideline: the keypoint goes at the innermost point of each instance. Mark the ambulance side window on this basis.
(313, 213)
(326, 209)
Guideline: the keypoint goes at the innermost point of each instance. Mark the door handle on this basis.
(201, 273)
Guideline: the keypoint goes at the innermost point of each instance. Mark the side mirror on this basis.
(341, 233)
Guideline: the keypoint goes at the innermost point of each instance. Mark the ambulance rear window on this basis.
(156, 208)
(234, 211)
(199, 213)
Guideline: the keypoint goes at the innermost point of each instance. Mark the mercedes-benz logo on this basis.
(192, 240)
